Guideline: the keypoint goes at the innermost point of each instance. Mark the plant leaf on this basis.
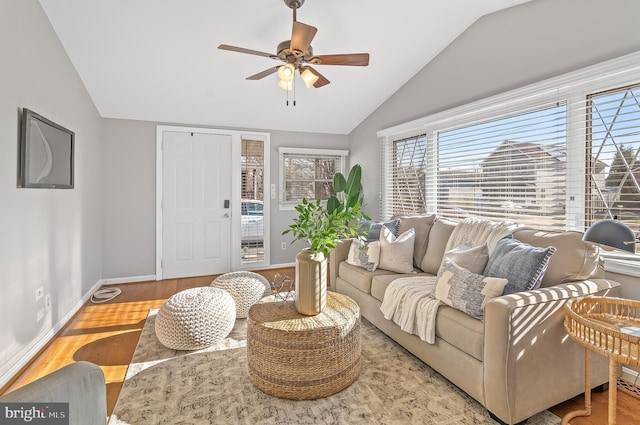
(339, 183)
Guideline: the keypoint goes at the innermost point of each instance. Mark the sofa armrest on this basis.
(530, 363)
(80, 384)
(337, 256)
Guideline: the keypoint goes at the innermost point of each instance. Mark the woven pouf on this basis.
(246, 288)
(195, 318)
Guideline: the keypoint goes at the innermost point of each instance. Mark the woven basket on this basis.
(602, 324)
(299, 357)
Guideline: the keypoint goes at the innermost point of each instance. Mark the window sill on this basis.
(627, 265)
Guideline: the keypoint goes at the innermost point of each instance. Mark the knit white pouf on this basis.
(246, 288)
(195, 318)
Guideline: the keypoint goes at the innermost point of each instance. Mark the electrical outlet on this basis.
(273, 191)
(39, 293)
(284, 246)
(47, 302)
(40, 314)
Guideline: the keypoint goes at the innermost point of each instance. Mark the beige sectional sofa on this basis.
(516, 362)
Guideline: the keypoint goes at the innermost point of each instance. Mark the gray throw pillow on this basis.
(521, 264)
(466, 291)
(374, 228)
(473, 259)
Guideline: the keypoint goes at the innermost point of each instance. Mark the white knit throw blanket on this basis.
(475, 232)
(410, 302)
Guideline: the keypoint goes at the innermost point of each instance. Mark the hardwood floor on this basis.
(107, 334)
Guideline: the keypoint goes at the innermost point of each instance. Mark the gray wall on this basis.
(500, 52)
(129, 229)
(129, 162)
(48, 238)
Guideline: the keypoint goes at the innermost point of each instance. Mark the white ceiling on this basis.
(157, 60)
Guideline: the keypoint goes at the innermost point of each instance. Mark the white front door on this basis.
(196, 196)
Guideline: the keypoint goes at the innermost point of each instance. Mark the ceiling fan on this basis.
(297, 54)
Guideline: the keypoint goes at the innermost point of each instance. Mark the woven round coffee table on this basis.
(290, 355)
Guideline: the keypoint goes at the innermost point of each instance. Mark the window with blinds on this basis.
(512, 168)
(308, 173)
(408, 176)
(558, 154)
(613, 141)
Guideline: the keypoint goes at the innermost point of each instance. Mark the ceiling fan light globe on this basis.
(286, 73)
(285, 85)
(309, 78)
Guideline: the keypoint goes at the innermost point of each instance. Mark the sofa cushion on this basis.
(473, 259)
(366, 255)
(460, 330)
(357, 276)
(466, 291)
(396, 254)
(380, 283)
(422, 226)
(575, 259)
(438, 238)
(522, 264)
(374, 228)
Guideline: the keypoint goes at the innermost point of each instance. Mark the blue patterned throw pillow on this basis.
(465, 290)
(521, 264)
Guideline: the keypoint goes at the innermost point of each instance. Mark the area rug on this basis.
(211, 386)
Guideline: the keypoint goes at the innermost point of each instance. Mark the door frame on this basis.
(236, 154)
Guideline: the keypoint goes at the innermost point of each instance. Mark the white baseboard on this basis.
(131, 279)
(31, 351)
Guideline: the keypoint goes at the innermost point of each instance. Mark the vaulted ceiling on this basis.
(157, 60)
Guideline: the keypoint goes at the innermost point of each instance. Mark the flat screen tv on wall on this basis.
(45, 153)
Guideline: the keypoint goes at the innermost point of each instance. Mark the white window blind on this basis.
(510, 168)
(406, 177)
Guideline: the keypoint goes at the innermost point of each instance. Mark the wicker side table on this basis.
(608, 326)
(290, 355)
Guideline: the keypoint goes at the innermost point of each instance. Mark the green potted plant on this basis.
(323, 228)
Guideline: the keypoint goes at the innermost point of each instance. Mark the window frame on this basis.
(571, 88)
(341, 154)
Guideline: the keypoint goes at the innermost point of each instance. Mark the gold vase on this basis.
(311, 282)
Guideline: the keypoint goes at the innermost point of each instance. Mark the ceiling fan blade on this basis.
(263, 74)
(301, 36)
(355, 59)
(321, 80)
(243, 50)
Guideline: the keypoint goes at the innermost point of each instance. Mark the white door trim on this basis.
(236, 138)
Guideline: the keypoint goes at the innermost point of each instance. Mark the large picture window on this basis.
(559, 154)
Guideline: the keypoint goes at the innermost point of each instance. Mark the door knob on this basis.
(226, 215)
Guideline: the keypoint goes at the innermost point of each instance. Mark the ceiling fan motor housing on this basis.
(294, 3)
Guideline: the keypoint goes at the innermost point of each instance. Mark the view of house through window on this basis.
(512, 168)
(252, 209)
(614, 144)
